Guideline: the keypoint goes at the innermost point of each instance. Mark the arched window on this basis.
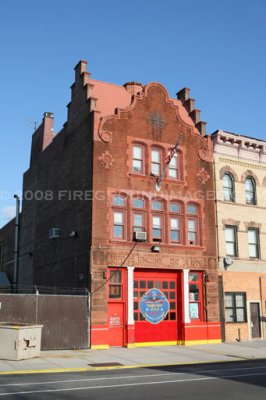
(250, 189)
(228, 187)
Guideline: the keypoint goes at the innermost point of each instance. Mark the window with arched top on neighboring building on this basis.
(228, 187)
(250, 190)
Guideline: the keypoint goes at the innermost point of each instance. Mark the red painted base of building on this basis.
(190, 334)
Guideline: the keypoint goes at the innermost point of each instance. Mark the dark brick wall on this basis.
(7, 243)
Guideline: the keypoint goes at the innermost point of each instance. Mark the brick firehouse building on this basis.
(136, 213)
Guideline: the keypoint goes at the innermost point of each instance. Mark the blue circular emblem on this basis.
(154, 306)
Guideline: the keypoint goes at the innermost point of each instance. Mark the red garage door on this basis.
(169, 285)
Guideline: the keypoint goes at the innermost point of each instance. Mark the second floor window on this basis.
(156, 162)
(228, 188)
(119, 217)
(250, 191)
(157, 228)
(231, 240)
(119, 228)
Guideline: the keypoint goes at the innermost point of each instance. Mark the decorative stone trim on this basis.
(203, 176)
(252, 224)
(249, 173)
(228, 169)
(230, 221)
(106, 159)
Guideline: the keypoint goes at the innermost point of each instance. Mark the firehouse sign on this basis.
(154, 306)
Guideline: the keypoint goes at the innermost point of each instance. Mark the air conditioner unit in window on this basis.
(54, 233)
(140, 236)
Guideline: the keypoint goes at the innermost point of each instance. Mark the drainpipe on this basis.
(16, 249)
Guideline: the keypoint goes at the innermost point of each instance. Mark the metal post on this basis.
(16, 250)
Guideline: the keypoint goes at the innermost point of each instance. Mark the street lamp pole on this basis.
(16, 250)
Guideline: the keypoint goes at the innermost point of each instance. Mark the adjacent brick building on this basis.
(97, 182)
(240, 177)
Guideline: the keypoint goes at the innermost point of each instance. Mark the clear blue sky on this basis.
(217, 48)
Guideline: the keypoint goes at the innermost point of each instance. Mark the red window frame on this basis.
(196, 300)
(115, 284)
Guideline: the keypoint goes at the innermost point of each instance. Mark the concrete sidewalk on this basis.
(89, 360)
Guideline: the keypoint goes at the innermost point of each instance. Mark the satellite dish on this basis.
(228, 261)
(158, 185)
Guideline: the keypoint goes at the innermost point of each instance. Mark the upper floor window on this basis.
(175, 222)
(157, 205)
(250, 189)
(137, 162)
(173, 169)
(192, 224)
(138, 203)
(228, 187)
(231, 240)
(156, 161)
(253, 243)
(119, 217)
(119, 201)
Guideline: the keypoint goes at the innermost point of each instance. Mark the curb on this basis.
(91, 369)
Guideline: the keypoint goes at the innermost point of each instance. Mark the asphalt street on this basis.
(245, 380)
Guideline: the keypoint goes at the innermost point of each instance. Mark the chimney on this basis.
(183, 94)
(201, 126)
(43, 136)
(195, 116)
(133, 87)
(189, 104)
(80, 68)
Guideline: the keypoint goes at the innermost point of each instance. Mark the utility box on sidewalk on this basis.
(19, 341)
